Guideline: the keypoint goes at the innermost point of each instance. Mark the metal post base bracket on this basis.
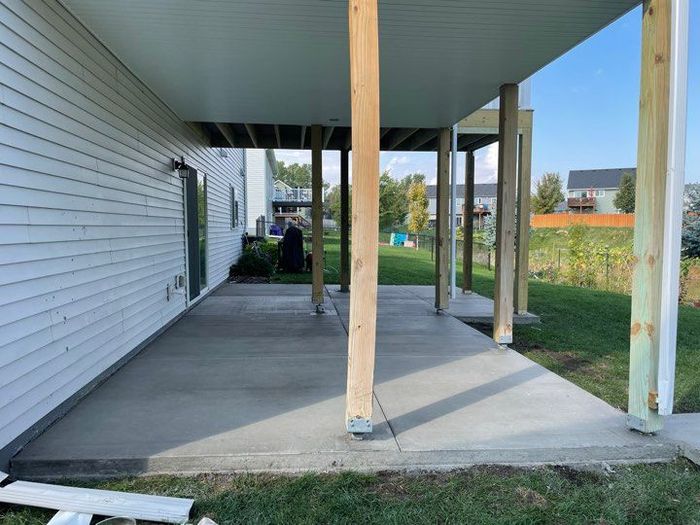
(320, 309)
(359, 425)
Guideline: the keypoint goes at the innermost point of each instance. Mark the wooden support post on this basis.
(522, 240)
(442, 222)
(468, 223)
(364, 97)
(505, 216)
(317, 215)
(344, 223)
(652, 152)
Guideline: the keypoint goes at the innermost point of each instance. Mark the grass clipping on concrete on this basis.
(639, 494)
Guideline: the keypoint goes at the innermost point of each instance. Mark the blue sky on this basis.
(586, 111)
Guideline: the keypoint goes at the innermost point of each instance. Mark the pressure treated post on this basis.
(316, 215)
(505, 214)
(364, 98)
(442, 223)
(652, 150)
(344, 223)
(522, 240)
(468, 223)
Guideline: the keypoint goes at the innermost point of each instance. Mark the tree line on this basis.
(402, 202)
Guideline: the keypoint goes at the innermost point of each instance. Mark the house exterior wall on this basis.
(91, 215)
(259, 186)
(603, 203)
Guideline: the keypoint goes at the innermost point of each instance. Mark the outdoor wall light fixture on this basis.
(183, 170)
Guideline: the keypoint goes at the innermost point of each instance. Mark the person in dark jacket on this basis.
(293, 249)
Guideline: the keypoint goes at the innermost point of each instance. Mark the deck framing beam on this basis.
(468, 223)
(652, 159)
(505, 218)
(227, 133)
(317, 214)
(400, 136)
(327, 134)
(442, 223)
(363, 32)
(250, 128)
(278, 136)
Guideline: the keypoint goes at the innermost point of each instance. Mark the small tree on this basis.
(690, 237)
(489, 236)
(548, 193)
(624, 200)
(294, 175)
(331, 203)
(417, 207)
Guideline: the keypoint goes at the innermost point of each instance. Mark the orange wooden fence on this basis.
(595, 220)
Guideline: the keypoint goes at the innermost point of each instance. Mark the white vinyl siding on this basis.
(91, 215)
(259, 186)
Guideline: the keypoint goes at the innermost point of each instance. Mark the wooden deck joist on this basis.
(338, 138)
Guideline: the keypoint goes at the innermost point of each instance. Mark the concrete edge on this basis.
(690, 453)
(365, 461)
(519, 319)
(687, 451)
(15, 446)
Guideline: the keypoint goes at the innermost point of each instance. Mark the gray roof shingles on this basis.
(597, 179)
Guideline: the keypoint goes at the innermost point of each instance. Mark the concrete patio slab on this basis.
(469, 308)
(249, 380)
(684, 429)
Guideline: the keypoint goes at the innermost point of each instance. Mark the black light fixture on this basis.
(183, 170)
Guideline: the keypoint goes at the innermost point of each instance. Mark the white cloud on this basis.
(396, 161)
(292, 156)
(486, 164)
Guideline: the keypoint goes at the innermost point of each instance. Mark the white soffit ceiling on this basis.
(286, 61)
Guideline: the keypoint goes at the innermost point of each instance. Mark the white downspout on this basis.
(453, 216)
(668, 324)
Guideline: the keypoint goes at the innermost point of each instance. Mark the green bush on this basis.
(580, 271)
(269, 250)
(253, 265)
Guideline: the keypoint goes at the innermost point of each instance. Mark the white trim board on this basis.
(100, 502)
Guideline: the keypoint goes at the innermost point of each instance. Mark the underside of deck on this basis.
(252, 380)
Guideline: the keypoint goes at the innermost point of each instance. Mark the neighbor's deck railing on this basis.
(293, 195)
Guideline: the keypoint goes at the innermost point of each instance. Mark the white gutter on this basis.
(453, 216)
(668, 324)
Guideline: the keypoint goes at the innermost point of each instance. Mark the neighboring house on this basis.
(261, 170)
(593, 191)
(292, 204)
(484, 203)
(95, 222)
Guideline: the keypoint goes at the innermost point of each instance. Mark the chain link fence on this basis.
(602, 268)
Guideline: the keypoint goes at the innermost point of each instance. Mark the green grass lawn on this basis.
(583, 336)
(641, 494)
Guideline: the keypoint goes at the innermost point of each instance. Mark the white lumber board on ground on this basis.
(3, 476)
(95, 501)
(64, 517)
